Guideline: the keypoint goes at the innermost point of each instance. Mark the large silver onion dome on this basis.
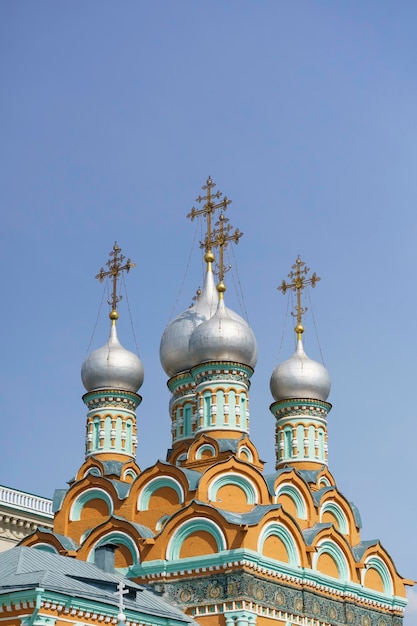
(174, 350)
(224, 337)
(112, 367)
(300, 377)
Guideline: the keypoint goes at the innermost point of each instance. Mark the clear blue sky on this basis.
(112, 116)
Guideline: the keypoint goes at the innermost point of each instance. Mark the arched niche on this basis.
(126, 552)
(233, 489)
(165, 488)
(331, 560)
(276, 542)
(91, 503)
(292, 500)
(332, 512)
(376, 576)
(196, 537)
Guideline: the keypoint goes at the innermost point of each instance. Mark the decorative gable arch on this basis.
(87, 496)
(121, 540)
(338, 514)
(237, 480)
(330, 557)
(194, 527)
(378, 565)
(276, 529)
(154, 485)
(295, 495)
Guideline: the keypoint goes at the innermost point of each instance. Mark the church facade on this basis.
(208, 529)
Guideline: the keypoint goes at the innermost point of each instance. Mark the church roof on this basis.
(25, 568)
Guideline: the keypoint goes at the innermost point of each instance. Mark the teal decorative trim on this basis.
(245, 451)
(130, 472)
(189, 528)
(102, 398)
(338, 513)
(86, 496)
(327, 546)
(46, 547)
(283, 573)
(238, 594)
(230, 478)
(155, 484)
(161, 522)
(240, 618)
(117, 538)
(222, 370)
(280, 408)
(279, 530)
(376, 563)
(292, 492)
(94, 471)
(205, 448)
(324, 482)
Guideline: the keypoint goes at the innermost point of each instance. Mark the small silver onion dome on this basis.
(112, 367)
(224, 337)
(174, 350)
(300, 377)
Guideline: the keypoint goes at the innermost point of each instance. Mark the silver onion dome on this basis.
(174, 349)
(112, 367)
(224, 337)
(300, 377)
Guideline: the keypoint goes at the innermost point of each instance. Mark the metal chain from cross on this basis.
(298, 276)
(208, 208)
(116, 267)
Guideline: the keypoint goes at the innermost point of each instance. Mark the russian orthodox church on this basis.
(207, 529)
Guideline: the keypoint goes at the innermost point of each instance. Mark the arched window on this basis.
(287, 443)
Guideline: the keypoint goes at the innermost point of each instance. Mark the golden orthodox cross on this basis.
(222, 234)
(209, 207)
(298, 276)
(116, 267)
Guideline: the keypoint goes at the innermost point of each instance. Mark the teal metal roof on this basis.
(271, 478)
(356, 514)
(66, 542)
(310, 476)
(250, 519)
(317, 495)
(23, 569)
(122, 489)
(59, 495)
(193, 478)
(311, 533)
(143, 531)
(360, 549)
(112, 468)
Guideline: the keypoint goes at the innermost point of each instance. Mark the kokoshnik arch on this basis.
(222, 540)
